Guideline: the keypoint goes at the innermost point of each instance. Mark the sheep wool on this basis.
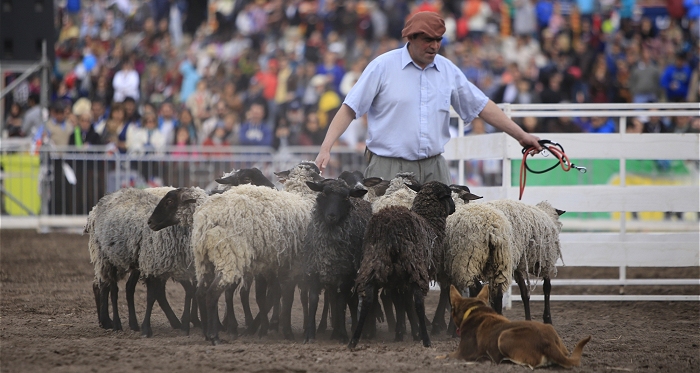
(117, 225)
(248, 230)
(536, 245)
(478, 245)
(397, 194)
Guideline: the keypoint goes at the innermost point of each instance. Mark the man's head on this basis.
(85, 121)
(58, 111)
(424, 32)
(98, 108)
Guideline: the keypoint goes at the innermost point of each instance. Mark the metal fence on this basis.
(70, 181)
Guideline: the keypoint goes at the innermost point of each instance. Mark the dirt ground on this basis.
(48, 323)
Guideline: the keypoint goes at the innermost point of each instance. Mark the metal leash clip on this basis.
(580, 169)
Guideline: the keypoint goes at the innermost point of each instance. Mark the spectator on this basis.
(13, 121)
(254, 131)
(187, 120)
(126, 81)
(32, 117)
(225, 133)
(190, 77)
(167, 123)
(182, 142)
(312, 134)
(602, 125)
(132, 115)
(200, 102)
(328, 103)
(330, 68)
(147, 138)
(114, 126)
(216, 120)
(58, 128)
(99, 115)
(84, 134)
(644, 79)
(676, 79)
(232, 98)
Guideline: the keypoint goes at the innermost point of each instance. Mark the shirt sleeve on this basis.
(467, 99)
(362, 94)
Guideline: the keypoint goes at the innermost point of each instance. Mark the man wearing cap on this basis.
(407, 95)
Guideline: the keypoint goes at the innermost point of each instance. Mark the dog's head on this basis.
(463, 307)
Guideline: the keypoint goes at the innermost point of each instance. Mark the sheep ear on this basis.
(484, 294)
(316, 177)
(316, 187)
(559, 212)
(371, 181)
(470, 197)
(415, 188)
(191, 200)
(282, 174)
(358, 193)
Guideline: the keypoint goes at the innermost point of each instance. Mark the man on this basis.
(254, 131)
(32, 118)
(84, 134)
(407, 94)
(58, 128)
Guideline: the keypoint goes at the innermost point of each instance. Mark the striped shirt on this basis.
(408, 107)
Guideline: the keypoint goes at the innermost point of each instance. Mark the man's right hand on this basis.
(322, 159)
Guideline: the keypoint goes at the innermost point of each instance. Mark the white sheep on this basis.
(479, 247)
(536, 246)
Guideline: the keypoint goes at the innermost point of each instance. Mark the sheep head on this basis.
(434, 190)
(167, 211)
(333, 203)
(464, 193)
(246, 176)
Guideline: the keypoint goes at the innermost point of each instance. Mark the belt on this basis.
(369, 154)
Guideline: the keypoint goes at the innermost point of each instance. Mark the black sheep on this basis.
(333, 249)
(398, 254)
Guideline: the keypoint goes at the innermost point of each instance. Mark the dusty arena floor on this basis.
(49, 324)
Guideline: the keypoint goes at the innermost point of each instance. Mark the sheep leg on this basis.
(261, 299)
(400, 304)
(130, 290)
(165, 306)
(323, 324)
(370, 329)
(475, 289)
(304, 299)
(245, 302)
(524, 293)
(314, 292)
(151, 296)
(274, 298)
(96, 293)
(547, 289)
(103, 290)
(186, 311)
(341, 302)
(287, 287)
(419, 301)
(212, 304)
(369, 293)
(496, 295)
(272, 293)
(194, 318)
(114, 292)
(388, 310)
(412, 316)
(200, 297)
(438, 324)
(230, 322)
(352, 305)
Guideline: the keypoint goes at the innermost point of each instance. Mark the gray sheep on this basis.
(120, 241)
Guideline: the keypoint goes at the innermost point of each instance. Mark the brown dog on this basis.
(486, 334)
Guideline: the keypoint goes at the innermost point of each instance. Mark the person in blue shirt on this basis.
(254, 131)
(676, 79)
(406, 94)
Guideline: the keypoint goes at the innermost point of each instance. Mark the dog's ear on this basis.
(455, 296)
(484, 294)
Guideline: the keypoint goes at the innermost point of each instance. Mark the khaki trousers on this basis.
(429, 169)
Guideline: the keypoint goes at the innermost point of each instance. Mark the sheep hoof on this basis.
(117, 326)
(426, 344)
(215, 341)
(437, 329)
(309, 341)
(352, 344)
(135, 328)
(147, 333)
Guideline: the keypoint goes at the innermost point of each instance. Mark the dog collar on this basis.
(466, 314)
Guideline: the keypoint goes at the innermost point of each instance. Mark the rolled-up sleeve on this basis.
(468, 100)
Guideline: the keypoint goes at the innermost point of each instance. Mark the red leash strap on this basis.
(558, 152)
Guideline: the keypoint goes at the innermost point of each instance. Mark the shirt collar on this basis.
(406, 59)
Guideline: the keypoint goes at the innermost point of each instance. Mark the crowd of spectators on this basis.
(140, 76)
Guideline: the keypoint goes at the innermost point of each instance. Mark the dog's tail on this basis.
(575, 358)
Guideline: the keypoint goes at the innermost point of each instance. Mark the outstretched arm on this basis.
(497, 118)
(338, 125)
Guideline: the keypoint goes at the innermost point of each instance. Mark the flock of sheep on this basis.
(357, 239)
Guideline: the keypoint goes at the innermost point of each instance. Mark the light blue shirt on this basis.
(409, 108)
